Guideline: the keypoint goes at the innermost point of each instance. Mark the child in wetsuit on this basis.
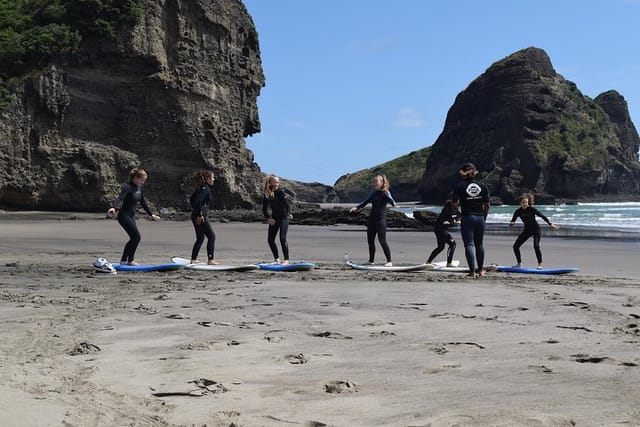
(200, 200)
(275, 198)
(379, 197)
(527, 213)
(127, 204)
(449, 215)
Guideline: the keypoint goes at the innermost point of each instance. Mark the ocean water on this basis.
(616, 220)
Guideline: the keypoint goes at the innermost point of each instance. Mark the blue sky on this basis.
(354, 83)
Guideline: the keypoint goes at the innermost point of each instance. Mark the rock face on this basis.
(175, 94)
(310, 192)
(526, 128)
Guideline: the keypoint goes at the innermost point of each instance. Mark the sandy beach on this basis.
(333, 346)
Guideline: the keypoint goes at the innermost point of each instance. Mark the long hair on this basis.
(200, 177)
(385, 183)
(527, 196)
(468, 171)
(268, 185)
(137, 173)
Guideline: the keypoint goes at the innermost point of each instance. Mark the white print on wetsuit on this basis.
(473, 190)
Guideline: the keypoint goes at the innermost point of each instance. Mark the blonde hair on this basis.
(137, 173)
(385, 183)
(200, 176)
(528, 196)
(268, 185)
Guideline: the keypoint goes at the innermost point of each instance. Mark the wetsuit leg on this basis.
(536, 245)
(522, 237)
(440, 239)
(211, 239)
(468, 226)
(199, 238)
(371, 241)
(129, 225)
(478, 240)
(284, 227)
(272, 231)
(452, 248)
(382, 238)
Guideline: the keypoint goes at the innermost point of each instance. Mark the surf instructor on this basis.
(473, 197)
(126, 204)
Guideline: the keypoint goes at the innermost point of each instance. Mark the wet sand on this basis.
(333, 346)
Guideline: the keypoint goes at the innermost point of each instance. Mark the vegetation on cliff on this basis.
(402, 171)
(33, 32)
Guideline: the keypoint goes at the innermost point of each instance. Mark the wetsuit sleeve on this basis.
(286, 203)
(390, 197)
(515, 216)
(541, 215)
(144, 204)
(265, 204)
(368, 199)
(124, 191)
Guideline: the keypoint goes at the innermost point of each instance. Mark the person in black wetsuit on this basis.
(527, 213)
(473, 197)
(200, 200)
(276, 200)
(449, 215)
(379, 197)
(127, 204)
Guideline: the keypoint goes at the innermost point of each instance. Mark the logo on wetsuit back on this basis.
(473, 190)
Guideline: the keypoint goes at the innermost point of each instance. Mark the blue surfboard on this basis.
(294, 266)
(149, 267)
(507, 269)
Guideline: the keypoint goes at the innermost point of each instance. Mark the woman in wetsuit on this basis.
(527, 213)
(473, 197)
(127, 204)
(449, 215)
(200, 200)
(379, 197)
(275, 200)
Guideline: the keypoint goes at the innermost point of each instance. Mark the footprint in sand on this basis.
(296, 359)
(274, 335)
(145, 309)
(541, 368)
(84, 348)
(381, 334)
(336, 387)
(179, 316)
(333, 335)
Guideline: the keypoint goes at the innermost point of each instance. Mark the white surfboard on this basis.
(442, 266)
(206, 267)
(370, 267)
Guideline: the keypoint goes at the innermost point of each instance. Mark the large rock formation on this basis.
(175, 94)
(528, 129)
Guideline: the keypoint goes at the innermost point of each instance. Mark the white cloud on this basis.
(408, 118)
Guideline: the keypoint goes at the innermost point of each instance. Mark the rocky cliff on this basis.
(528, 129)
(174, 94)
